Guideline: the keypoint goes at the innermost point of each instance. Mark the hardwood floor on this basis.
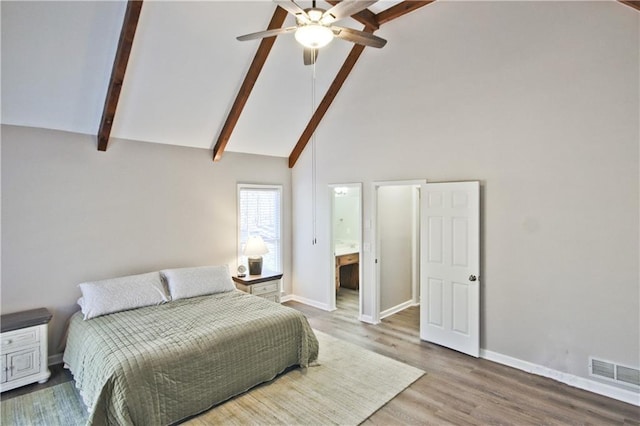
(456, 389)
(459, 389)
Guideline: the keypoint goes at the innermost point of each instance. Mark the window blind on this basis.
(259, 213)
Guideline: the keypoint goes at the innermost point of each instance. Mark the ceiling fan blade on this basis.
(267, 33)
(310, 56)
(345, 9)
(291, 7)
(359, 37)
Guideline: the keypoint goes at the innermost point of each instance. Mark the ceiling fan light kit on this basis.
(313, 27)
(314, 36)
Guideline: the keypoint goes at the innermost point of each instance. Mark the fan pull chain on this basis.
(313, 148)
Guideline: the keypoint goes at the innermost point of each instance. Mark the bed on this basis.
(162, 364)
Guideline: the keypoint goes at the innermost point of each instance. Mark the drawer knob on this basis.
(8, 342)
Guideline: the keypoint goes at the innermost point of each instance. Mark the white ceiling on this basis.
(183, 75)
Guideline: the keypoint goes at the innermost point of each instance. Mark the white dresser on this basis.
(267, 285)
(24, 348)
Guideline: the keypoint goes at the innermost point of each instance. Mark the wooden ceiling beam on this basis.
(400, 9)
(127, 33)
(255, 68)
(319, 113)
(365, 17)
(630, 3)
(390, 14)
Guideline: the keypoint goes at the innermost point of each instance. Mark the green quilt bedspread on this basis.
(161, 364)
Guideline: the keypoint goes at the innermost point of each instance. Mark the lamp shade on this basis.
(254, 247)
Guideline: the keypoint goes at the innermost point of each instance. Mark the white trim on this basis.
(401, 307)
(367, 319)
(409, 182)
(313, 303)
(285, 298)
(374, 288)
(415, 247)
(623, 395)
(55, 359)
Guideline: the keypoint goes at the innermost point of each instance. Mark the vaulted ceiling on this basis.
(185, 70)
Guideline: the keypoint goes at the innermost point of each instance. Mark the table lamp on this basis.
(254, 249)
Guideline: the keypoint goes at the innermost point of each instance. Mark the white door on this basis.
(450, 265)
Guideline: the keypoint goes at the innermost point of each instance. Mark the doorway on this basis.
(397, 225)
(444, 258)
(346, 248)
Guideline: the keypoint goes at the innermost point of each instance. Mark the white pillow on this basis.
(120, 294)
(192, 282)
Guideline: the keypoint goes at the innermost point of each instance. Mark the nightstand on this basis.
(266, 285)
(24, 348)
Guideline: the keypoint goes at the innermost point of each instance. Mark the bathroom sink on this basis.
(342, 249)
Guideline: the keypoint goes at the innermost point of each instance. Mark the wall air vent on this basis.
(603, 369)
(628, 375)
(613, 372)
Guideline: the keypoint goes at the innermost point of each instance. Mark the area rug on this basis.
(56, 406)
(347, 385)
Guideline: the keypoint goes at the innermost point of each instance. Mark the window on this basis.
(259, 213)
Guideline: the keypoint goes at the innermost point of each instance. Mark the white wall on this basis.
(71, 213)
(538, 101)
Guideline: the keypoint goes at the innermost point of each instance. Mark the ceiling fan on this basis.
(314, 27)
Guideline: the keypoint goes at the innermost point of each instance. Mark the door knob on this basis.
(472, 278)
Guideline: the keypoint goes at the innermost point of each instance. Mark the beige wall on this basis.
(72, 214)
(539, 102)
(395, 222)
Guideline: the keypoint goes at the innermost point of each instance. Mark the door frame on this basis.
(332, 271)
(375, 249)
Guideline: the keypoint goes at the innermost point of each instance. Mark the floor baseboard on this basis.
(54, 359)
(313, 303)
(394, 310)
(603, 389)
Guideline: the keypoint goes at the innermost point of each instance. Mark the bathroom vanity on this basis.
(347, 260)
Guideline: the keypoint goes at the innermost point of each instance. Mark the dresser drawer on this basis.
(269, 287)
(20, 338)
